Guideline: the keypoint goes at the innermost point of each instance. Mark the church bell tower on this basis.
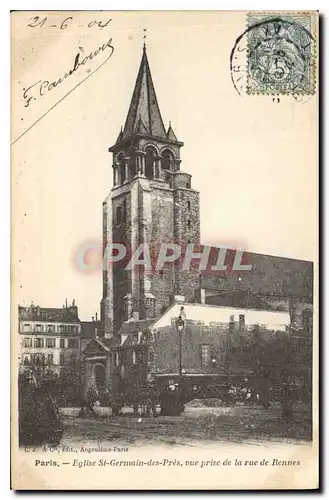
(151, 202)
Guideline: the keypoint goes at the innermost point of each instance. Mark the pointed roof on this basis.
(140, 127)
(119, 136)
(144, 114)
(171, 134)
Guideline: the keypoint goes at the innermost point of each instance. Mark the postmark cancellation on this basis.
(281, 53)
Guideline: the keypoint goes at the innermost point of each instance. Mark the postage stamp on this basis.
(281, 53)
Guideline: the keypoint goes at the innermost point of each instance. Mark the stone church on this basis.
(153, 202)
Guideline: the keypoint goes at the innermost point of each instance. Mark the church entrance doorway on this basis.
(100, 378)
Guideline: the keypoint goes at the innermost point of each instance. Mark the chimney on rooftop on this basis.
(73, 302)
(96, 316)
(66, 303)
(92, 318)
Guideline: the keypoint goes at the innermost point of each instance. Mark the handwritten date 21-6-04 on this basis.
(63, 24)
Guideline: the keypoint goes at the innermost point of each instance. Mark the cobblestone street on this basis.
(238, 424)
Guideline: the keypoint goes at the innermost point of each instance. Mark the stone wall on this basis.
(187, 231)
(162, 231)
(218, 336)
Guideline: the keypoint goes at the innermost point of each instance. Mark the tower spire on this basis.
(144, 38)
(144, 106)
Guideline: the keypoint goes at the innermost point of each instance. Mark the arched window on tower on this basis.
(150, 160)
(121, 168)
(133, 166)
(133, 162)
(167, 160)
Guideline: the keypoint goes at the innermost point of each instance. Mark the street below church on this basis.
(239, 424)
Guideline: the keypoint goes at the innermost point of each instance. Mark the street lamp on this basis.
(180, 325)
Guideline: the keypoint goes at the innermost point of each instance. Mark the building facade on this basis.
(155, 349)
(50, 338)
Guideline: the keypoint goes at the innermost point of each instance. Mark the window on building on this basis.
(73, 359)
(51, 329)
(73, 343)
(62, 343)
(135, 338)
(38, 328)
(204, 353)
(117, 360)
(119, 215)
(133, 163)
(26, 360)
(124, 211)
(139, 356)
(150, 160)
(167, 160)
(122, 168)
(50, 359)
(38, 342)
(134, 357)
(242, 322)
(27, 327)
(37, 359)
(27, 342)
(61, 328)
(62, 359)
(51, 343)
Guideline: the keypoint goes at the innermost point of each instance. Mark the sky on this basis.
(254, 161)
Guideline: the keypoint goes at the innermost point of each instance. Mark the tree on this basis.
(278, 364)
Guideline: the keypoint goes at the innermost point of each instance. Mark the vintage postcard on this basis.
(164, 250)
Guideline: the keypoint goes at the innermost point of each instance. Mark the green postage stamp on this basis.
(281, 53)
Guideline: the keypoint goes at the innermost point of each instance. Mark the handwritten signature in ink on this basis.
(41, 87)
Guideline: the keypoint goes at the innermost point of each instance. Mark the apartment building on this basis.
(50, 337)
